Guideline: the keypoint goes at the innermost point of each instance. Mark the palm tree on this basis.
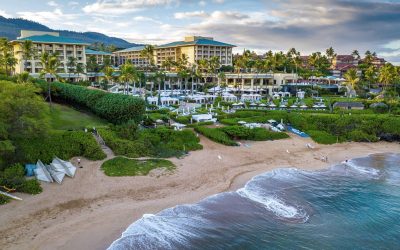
(387, 75)
(356, 54)
(148, 53)
(294, 57)
(351, 79)
(7, 59)
(214, 65)
(24, 78)
(330, 53)
(108, 75)
(204, 68)
(50, 64)
(221, 78)
(28, 51)
(80, 69)
(128, 74)
(71, 65)
(368, 57)
(370, 75)
(168, 63)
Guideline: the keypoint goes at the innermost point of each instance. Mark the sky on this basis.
(259, 25)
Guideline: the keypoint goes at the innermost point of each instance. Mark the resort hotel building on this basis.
(193, 47)
(50, 42)
(196, 48)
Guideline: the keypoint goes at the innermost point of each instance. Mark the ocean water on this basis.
(353, 205)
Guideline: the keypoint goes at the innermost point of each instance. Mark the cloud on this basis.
(146, 19)
(185, 15)
(73, 4)
(312, 25)
(55, 19)
(52, 4)
(123, 6)
(203, 3)
(5, 14)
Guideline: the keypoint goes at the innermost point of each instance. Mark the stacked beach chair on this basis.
(55, 171)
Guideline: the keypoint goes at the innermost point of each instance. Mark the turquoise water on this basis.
(353, 205)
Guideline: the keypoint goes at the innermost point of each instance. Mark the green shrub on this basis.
(183, 119)
(115, 108)
(322, 137)
(63, 144)
(120, 166)
(360, 136)
(253, 134)
(199, 124)
(31, 186)
(159, 142)
(4, 199)
(14, 177)
(216, 135)
(125, 147)
(237, 132)
(261, 134)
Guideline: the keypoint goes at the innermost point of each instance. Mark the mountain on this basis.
(11, 27)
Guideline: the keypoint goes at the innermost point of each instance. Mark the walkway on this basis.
(109, 153)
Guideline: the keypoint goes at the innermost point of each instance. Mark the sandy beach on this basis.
(91, 210)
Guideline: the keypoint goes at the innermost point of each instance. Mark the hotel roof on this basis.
(136, 48)
(201, 41)
(97, 52)
(52, 39)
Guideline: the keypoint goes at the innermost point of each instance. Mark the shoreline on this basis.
(92, 210)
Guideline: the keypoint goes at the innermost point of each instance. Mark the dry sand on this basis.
(91, 210)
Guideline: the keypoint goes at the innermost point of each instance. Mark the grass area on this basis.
(63, 117)
(120, 166)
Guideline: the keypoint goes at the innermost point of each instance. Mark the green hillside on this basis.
(11, 27)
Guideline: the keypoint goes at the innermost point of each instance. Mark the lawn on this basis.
(67, 118)
(120, 166)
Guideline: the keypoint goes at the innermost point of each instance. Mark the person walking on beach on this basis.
(79, 162)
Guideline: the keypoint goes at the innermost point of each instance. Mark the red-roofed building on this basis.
(342, 63)
(378, 62)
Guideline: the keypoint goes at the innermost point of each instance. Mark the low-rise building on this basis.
(348, 105)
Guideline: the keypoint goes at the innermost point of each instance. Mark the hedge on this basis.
(216, 135)
(115, 108)
(63, 144)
